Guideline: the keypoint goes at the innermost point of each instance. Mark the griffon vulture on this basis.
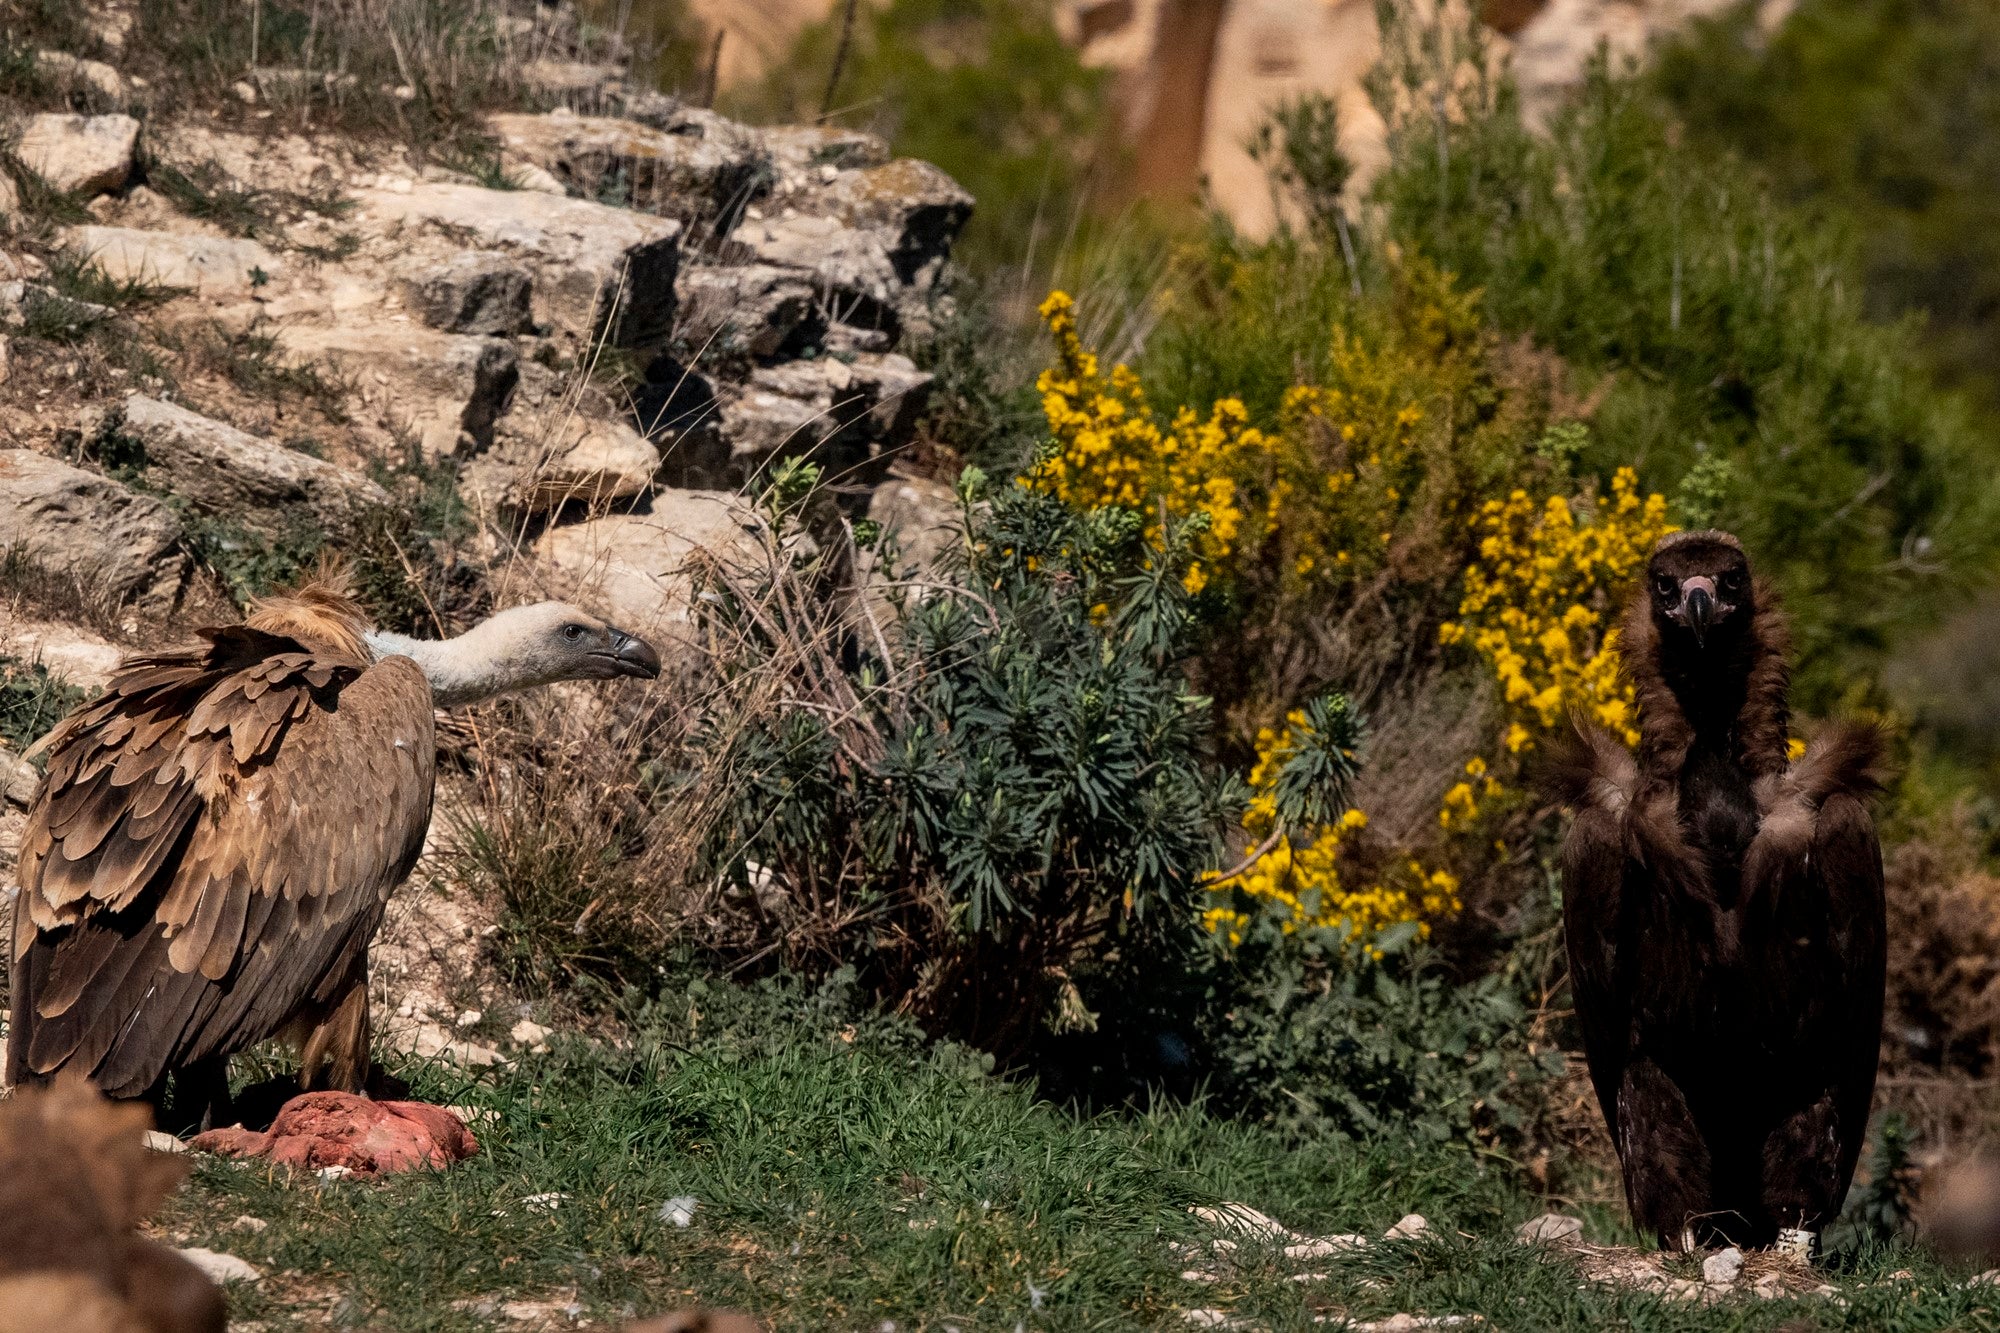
(217, 835)
(1723, 911)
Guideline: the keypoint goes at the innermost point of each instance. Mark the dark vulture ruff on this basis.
(1724, 918)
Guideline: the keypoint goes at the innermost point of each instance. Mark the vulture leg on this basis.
(203, 1087)
(334, 1055)
(1666, 1160)
(1803, 1180)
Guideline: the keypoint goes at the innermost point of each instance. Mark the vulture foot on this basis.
(318, 1130)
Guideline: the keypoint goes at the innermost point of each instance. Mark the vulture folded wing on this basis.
(211, 852)
(1847, 863)
(1593, 878)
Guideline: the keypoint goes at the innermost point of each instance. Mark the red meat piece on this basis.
(321, 1129)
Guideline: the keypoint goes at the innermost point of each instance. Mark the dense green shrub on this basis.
(1887, 111)
(1317, 1037)
(1706, 322)
(1007, 779)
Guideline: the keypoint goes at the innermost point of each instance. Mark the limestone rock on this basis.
(98, 82)
(479, 291)
(637, 570)
(851, 266)
(221, 470)
(449, 389)
(18, 779)
(699, 178)
(607, 460)
(595, 267)
(80, 656)
(808, 148)
(206, 265)
(923, 516)
(221, 1268)
(916, 205)
(1723, 1267)
(1550, 1229)
(747, 310)
(894, 392)
(83, 527)
(1412, 1226)
(575, 79)
(79, 154)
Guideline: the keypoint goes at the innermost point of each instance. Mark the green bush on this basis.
(1883, 111)
(1312, 1035)
(1006, 781)
(1708, 321)
(32, 701)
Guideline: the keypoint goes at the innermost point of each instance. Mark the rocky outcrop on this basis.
(82, 155)
(87, 529)
(600, 271)
(637, 569)
(480, 291)
(218, 469)
(205, 265)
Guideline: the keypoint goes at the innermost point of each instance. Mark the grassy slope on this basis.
(847, 1175)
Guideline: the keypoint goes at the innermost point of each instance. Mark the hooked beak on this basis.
(631, 655)
(1698, 605)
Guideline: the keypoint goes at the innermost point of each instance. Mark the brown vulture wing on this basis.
(210, 853)
(1593, 886)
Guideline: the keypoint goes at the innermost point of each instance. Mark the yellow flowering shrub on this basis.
(1369, 462)
(1541, 601)
(1325, 876)
(1111, 450)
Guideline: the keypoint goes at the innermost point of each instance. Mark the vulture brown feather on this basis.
(218, 834)
(1723, 912)
(75, 1183)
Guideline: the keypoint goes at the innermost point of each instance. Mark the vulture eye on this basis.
(1732, 580)
(1663, 585)
(572, 632)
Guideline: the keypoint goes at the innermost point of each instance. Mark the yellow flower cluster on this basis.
(1305, 878)
(1540, 599)
(1111, 450)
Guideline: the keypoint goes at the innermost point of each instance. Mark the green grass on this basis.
(32, 701)
(847, 1174)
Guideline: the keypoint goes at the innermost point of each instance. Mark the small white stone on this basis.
(244, 91)
(1550, 1229)
(469, 1017)
(679, 1210)
(529, 1033)
(1322, 1247)
(1723, 1267)
(1412, 1226)
(335, 1172)
(544, 1203)
(163, 1142)
(1990, 1278)
(220, 1267)
(248, 1223)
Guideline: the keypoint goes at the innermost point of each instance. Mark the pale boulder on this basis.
(221, 470)
(87, 529)
(596, 268)
(79, 154)
(638, 570)
(205, 265)
(604, 460)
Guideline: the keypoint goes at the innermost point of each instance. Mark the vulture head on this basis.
(1700, 590)
(522, 648)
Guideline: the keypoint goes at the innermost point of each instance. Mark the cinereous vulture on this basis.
(218, 833)
(1722, 906)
